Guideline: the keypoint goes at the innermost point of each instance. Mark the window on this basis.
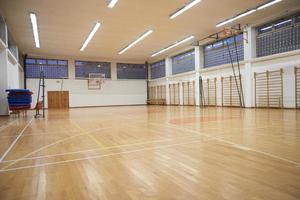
(158, 69)
(183, 62)
(277, 37)
(53, 69)
(84, 68)
(217, 53)
(3, 36)
(131, 71)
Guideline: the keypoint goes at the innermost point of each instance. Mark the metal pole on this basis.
(25, 74)
(238, 65)
(43, 95)
(147, 74)
(232, 66)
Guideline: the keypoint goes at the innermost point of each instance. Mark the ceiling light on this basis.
(284, 22)
(112, 3)
(268, 4)
(35, 31)
(236, 17)
(136, 41)
(91, 35)
(266, 28)
(173, 45)
(249, 12)
(185, 8)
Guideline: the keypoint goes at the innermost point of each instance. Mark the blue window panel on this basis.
(217, 53)
(84, 68)
(30, 61)
(51, 70)
(41, 61)
(62, 62)
(158, 69)
(52, 62)
(184, 62)
(131, 71)
(284, 36)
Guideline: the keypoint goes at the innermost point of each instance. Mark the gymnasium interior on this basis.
(150, 99)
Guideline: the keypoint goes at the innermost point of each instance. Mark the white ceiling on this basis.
(64, 25)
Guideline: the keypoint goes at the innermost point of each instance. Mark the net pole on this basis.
(232, 66)
(239, 70)
(147, 75)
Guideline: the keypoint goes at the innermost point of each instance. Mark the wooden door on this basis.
(58, 99)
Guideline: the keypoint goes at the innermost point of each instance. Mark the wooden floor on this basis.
(152, 152)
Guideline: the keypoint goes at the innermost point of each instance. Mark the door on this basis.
(58, 99)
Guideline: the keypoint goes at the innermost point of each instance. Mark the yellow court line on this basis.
(89, 135)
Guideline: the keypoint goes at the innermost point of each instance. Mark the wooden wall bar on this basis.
(268, 88)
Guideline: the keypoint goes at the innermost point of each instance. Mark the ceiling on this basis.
(65, 24)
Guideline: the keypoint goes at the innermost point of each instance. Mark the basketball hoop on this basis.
(95, 81)
(226, 33)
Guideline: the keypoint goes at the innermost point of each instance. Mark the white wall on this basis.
(113, 92)
(3, 82)
(13, 76)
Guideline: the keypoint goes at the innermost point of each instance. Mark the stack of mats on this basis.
(19, 99)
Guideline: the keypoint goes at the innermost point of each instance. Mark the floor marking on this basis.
(89, 135)
(45, 147)
(15, 141)
(234, 144)
(41, 134)
(98, 149)
(241, 147)
(95, 157)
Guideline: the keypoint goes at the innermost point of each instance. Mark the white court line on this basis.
(94, 157)
(100, 148)
(47, 146)
(238, 146)
(41, 134)
(15, 141)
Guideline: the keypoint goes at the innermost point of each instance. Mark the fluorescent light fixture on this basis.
(236, 17)
(35, 31)
(91, 35)
(173, 45)
(268, 4)
(185, 8)
(136, 41)
(266, 28)
(112, 3)
(284, 22)
(249, 12)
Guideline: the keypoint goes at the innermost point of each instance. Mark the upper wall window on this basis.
(183, 62)
(53, 69)
(158, 69)
(217, 53)
(131, 71)
(279, 36)
(3, 32)
(84, 68)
